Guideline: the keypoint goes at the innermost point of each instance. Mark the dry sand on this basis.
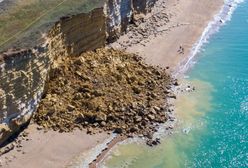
(51, 149)
(57, 150)
(188, 19)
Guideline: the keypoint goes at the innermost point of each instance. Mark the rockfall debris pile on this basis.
(106, 89)
(145, 27)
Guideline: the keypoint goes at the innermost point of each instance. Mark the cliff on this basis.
(120, 14)
(23, 73)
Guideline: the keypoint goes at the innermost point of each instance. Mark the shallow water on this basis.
(215, 116)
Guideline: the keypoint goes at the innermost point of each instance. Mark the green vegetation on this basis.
(23, 24)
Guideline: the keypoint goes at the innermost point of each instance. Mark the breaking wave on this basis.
(219, 20)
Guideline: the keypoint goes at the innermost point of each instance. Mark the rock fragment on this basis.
(105, 89)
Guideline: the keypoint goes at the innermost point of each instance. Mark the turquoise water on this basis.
(217, 112)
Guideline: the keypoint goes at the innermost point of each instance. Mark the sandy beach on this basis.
(187, 20)
(50, 149)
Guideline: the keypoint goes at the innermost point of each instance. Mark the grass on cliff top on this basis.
(31, 18)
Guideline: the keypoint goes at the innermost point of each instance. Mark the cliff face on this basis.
(143, 6)
(120, 12)
(75, 34)
(23, 73)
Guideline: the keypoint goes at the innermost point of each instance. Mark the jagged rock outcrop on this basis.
(119, 14)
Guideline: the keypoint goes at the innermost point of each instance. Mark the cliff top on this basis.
(24, 22)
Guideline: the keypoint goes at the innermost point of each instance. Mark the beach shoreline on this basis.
(154, 52)
(178, 66)
(187, 22)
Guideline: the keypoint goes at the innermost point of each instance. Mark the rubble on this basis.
(144, 27)
(105, 89)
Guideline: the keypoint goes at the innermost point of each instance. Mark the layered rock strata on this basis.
(24, 73)
(120, 13)
(23, 76)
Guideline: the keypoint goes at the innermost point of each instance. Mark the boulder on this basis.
(151, 117)
(118, 131)
(138, 118)
(70, 107)
(101, 117)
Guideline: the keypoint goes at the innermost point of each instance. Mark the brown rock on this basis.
(138, 118)
(136, 90)
(80, 61)
(89, 130)
(101, 117)
(156, 108)
(122, 94)
(118, 131)
(103, 123)
(70, 107)
(151, 117)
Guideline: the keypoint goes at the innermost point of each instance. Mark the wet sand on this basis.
(188, 19)
(187, 22)
(110, 145)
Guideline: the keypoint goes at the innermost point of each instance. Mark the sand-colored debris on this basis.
(105, 89)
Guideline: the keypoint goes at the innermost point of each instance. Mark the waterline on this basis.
(213, 27)
(213, 128)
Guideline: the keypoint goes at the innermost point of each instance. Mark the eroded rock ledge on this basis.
(24, 73)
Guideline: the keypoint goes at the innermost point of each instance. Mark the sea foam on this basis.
(219, 20)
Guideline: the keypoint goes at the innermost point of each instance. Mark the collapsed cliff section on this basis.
(24, 73)
(106, 89)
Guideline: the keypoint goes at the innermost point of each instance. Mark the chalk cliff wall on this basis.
(23, 73)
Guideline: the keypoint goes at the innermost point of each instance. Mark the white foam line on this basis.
(219, 20)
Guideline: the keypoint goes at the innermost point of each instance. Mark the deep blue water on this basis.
(218, 110)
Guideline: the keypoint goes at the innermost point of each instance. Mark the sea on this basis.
(212, 129)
